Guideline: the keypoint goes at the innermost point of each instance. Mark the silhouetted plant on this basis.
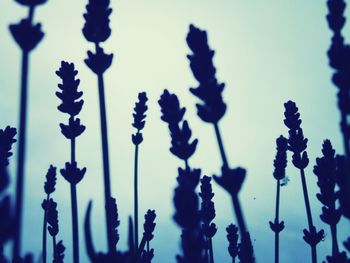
(187, 215)
(7, 226)
(139, 123)
(232, 237)
(180, 132)
(27, 35)
(212, 110)
(49, 187)
(96, 30)
(148, 227)
(280, 164)
(72, 105)
(297, 144)
(59, 256)
(208, 214)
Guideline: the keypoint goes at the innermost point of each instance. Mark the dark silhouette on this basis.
(96, 30)
(139, 123)
(212, 110)
(7, 226)
(232, 237)
(72, 105)
(280, 164)
(27, 35)
(208, 214)
(297, 145)
(49, 187)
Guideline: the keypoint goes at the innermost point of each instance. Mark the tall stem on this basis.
(308, 213)
(345, 139)
(21, 155)
(54, 246)
(106, 174)
(221, 146)
(136, 214)
(335, 247)
(211, 252)
(74, 205)
(45, 230)
(236, 204)
(277, 221)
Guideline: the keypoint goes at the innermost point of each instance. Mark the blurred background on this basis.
(267, 52)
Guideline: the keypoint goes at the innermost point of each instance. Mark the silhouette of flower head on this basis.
(114, 218)
(139, 117)
(325, 170)
(31, 2)
(98, 62)
(296, 141)
(73, 129)
(72, 173)
(192, 243)
(26, 35)
(96, 28)
(231, 179)
(209, 90)
(7, 221)
(186, 199)
(149, 224)
(246, 252)
(50, 183)
(59, 255)
(207, 207)
(69, 90)
(280, 162)
(6, 140)
(52, 217)
(173, 114)
(232, 237)
(147, 256)
(313, 237)
(276, 226)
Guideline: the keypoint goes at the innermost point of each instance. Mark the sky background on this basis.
(267, 52)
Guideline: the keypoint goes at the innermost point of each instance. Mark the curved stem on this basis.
(221, 145)
(136, 214)
(21, 155)
(106, 174)
(308, 213)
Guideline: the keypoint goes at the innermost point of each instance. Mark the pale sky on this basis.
(267, 52)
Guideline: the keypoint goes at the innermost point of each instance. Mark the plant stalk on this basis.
(308, 213)
(45, 230)
(136, 213)
(278, 186)
(106, 173)
(211, 252)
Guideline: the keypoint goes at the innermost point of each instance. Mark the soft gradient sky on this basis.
(267, 52)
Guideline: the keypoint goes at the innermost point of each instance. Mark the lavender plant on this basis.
(7, 226)
(96, 30)
(297, 144)
(211, 110)
(208, 214)
(137, 138)
(232, 237)
(280, 164)
(49, 187)
(325, 170)
(71, 104)
(27, 36)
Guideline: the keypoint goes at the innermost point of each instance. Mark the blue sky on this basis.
(267, 52)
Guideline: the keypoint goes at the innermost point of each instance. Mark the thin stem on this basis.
(45, 230)
(345, 139)
(308, 213)
(106, 174)
(277, 221)
(335, 247)
(221, 146)
(136, 212)
(211, 252)
(73, 192)
(239, 216)
(54, 246)
(21, 155)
